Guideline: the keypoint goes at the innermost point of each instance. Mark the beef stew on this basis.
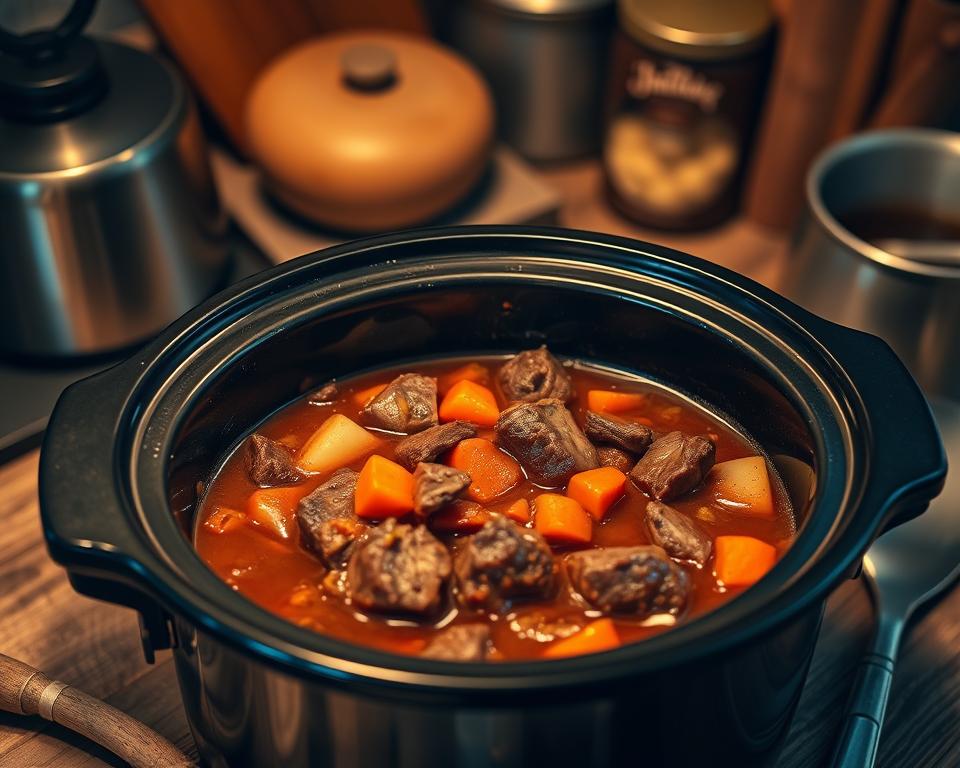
(555, 509)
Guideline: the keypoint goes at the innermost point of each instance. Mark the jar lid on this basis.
(701, 30)
(550, 7)
(360, 126)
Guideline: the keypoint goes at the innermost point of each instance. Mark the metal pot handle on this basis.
(908, 464)
(88, 528)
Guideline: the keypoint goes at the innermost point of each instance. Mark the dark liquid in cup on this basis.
(899, 222)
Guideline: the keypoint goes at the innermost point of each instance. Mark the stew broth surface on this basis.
(281, 576)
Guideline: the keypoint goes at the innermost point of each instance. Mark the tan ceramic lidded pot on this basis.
(367, 131)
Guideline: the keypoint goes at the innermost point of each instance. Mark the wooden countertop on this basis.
(96, 647)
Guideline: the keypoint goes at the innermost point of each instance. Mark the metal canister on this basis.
(685, 88)
(546, 63)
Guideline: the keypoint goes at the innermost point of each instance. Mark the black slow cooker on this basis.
(128, 451)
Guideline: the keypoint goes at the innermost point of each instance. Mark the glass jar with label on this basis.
(686, 83)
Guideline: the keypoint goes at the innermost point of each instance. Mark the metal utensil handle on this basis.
(26, 691)
(36, 44)
(861, 728)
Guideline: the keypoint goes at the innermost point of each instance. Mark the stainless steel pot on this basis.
(913, 304)
(109, 223)
(546, 62)
(125, 448)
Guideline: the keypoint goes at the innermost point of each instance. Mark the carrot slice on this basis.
(599, 635)
(384, 489)
(519, 511)
(605, 401)
(271, 509)
(742, 560)
(493, 471)
(411, 646)
(470, 402)
(459, 517)
(470, 372)
(561, 520)
(597, 489)
(743, 485)
(225, 520)
(364, 396)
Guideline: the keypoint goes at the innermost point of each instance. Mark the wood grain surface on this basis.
(95, 646)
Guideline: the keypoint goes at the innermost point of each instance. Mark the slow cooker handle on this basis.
(903, 478)
(87, 527)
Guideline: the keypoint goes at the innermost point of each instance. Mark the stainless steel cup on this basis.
(913, 304)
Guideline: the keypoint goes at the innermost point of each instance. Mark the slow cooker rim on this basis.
(565, 672)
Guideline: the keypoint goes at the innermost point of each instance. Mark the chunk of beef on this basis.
(614, 457)
(546, 440)
(326, 394)
(328, 525)
(429, 444)
(503, 562)
(269, 463)
(534, 375)
(463, 642)
(639, 581)
(435, 486)
(398, 568)
(406, 404)
(673, 465)
(679, 536)
(620, 433)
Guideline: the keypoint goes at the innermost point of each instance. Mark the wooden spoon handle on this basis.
(26, 691)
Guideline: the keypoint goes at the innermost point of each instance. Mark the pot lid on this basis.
(698, 29)
(368, 117)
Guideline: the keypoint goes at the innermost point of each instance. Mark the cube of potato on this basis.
(272, 509)
(338, 442)
(743, 485)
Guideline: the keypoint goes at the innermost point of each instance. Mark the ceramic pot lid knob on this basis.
(368, 67)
